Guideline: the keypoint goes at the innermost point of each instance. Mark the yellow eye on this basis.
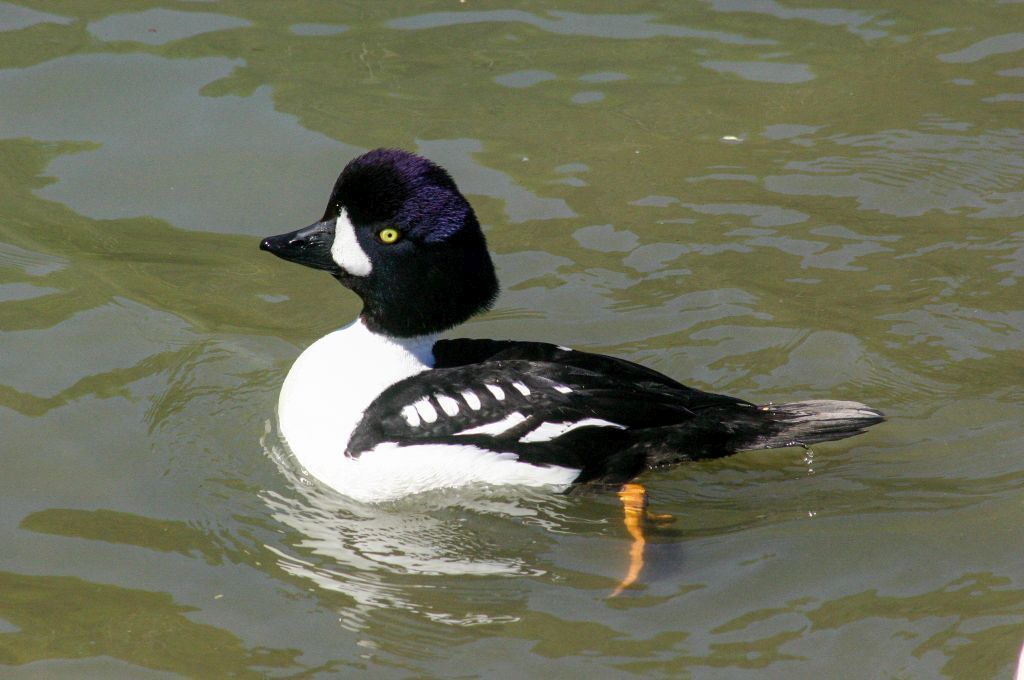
(388, 235)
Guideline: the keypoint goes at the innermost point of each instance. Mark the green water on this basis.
(773, 199)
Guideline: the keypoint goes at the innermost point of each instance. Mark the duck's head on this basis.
(399, 234)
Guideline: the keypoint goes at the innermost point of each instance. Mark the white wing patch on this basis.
(426, 410)
(496, 428)
(448, 405)
(545, 432)
(498, 393)
(472, 400)
(346, 250)
(523, 389)
(410, 415)
(564, 389)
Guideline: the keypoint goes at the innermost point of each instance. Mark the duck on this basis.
(385, 408)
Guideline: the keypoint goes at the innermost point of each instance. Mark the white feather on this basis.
(410, 415)
(331, 384)
(389, 471)
(498, 393)
(426, 410)
(497, 427)
(448, 405)
(545, 432)
(472, 400)
(346, 250)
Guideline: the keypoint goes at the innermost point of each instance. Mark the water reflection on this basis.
(521, 205)
(122, 528)
(971, 652)
(719, 214)
(65, 617)
(853, 20)
(909, 172)
(376, 554)
(161, 26)
(187, 158)
(16, 17)
(317, 30)
(998, 44)
(763, 71)
(618, 26)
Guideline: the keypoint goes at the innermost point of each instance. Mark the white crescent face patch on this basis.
(345, 250)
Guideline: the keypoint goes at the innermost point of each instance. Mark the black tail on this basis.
(801, 423)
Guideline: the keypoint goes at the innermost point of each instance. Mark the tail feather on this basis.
(801, 423)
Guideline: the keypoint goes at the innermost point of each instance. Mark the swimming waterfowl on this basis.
(384, 408)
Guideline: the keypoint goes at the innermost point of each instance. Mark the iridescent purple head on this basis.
(398, 232)
(409, 191)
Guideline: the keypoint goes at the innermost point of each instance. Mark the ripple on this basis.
(11, 292)
(963, 332)
(789, 131)
(31, 262)
(618, 26)
(587, 97)
(606, 239)
(186, 158)
(603, 77)
(999, 44)
(79, 347)
(1005, 97)
(14, 17)
(523, 79)
(162, 26)
(853, 20)
(317, 30)
(907, 173)
(390, 557)
(763, 71)
(521, 205)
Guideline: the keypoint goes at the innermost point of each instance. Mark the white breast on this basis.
(331, 384)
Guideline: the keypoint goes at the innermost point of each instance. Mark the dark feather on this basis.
(661, 421)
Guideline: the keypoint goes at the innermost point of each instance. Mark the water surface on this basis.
(775, 200)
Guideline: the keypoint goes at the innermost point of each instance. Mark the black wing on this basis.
(464, 352)
(549, 405)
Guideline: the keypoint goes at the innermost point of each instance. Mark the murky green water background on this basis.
(771, 198)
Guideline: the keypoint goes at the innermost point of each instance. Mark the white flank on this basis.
(410, 415)
(331, 384)
(472, 400)
(346, 250)
(389, 471)
(496, 428)
(448, 405)
(426, 410)
(545, 432)
(523, 389)
(563, 389)
(498, 393)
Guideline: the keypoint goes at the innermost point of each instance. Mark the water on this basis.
(773, 200)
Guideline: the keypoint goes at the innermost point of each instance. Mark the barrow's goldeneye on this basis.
(382, 408)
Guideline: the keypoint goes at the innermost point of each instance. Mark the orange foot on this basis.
(634, 503)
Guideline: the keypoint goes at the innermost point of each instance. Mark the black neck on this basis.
(433, 293)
